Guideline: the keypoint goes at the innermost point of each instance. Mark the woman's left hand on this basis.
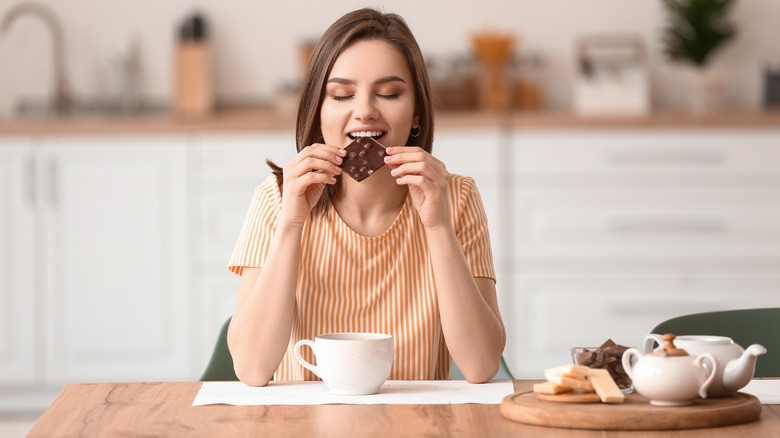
(427, 179)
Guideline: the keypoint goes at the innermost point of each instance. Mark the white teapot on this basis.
(669, 376)
(737, 365)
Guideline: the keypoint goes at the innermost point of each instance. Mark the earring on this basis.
(415, 134)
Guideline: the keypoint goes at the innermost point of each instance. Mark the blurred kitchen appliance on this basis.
(453, 82)
(494, 50)
(772, 88)
(305, 52)
(192, 76)
(612, 77)
(118, 80)
(288, 94)
(526, 82)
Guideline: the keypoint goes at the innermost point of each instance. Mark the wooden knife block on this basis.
(193, 95)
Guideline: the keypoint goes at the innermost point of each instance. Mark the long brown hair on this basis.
(358, 25)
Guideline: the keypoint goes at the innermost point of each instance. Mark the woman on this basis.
(405, 251)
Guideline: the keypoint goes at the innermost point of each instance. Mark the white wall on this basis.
(255, 41)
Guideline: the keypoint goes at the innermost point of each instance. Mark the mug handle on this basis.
(304, 363)
(627, 363)
(699, 361)
(650, 339)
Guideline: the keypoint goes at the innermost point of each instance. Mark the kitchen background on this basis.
(611, 208)
(255, 45)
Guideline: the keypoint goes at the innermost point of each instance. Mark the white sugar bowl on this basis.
(670, 376)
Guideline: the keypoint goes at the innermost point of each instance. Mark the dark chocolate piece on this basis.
(364, 156)
(609, 355)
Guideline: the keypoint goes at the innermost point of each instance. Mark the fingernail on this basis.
(339, 160)
(387, 158)
(390, 149)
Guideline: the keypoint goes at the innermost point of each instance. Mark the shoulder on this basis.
(461, 187)
(267, 199)
(465, 201)
(268, 190)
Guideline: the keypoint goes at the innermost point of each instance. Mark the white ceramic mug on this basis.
(350, 363)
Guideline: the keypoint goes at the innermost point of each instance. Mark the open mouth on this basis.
(376, 135)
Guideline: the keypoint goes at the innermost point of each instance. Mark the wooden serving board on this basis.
(571, 397)
(636, 413)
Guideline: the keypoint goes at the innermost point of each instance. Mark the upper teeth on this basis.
(366, 134)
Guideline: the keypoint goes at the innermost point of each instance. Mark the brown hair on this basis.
(358, 25)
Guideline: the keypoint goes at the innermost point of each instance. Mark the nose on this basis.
(365, 108)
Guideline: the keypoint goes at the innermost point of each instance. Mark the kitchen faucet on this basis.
(61, 101)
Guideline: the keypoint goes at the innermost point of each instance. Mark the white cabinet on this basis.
(103, 222)
(477, 153)
(616, 231)
(17, 263)
(114, 230)
(226, 170)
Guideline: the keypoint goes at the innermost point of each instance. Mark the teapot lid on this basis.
(668, 348)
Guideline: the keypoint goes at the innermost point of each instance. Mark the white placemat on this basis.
(767, 391)
(316, 393)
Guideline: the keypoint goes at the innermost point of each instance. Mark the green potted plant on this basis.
(696, 30)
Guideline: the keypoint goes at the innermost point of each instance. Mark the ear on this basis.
(416, 121)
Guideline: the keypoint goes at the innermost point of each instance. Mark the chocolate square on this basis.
(364, 156)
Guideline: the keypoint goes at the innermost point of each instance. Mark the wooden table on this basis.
(165, 409)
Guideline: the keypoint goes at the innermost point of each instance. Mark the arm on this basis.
(260, 329)
(470, 317)
(262, 320)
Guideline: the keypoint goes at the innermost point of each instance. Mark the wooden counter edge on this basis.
(267, 120)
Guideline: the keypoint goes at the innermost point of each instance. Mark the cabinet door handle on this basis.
(30, 183)
(651, 225)
(53, 173)
(667, 157)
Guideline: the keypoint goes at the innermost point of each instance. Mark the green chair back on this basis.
(745, 327)
(220, 367)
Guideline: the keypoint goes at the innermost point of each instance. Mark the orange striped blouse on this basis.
(348, 282)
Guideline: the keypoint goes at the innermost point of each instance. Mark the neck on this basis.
(370, 206)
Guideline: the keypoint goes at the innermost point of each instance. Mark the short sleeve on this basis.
(258, 229)
(471, 226)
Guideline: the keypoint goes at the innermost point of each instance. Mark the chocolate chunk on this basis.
(364, 156)
(609, 356)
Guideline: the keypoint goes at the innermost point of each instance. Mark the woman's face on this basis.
(369, 92)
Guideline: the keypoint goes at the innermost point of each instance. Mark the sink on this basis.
(61, 103)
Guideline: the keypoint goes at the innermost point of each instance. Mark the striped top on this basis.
(348, 282)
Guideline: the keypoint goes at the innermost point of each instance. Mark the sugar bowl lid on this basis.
(668, 349)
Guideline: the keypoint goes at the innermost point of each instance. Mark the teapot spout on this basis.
(739, 371)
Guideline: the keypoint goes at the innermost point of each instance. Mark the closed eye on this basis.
(389, 96)
(341, 98)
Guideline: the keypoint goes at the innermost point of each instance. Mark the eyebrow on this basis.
(379, 81)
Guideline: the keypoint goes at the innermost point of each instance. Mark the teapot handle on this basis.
(713, 371)
(647, 346)
(628, 363)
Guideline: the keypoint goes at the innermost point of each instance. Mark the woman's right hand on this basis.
(305, 177)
